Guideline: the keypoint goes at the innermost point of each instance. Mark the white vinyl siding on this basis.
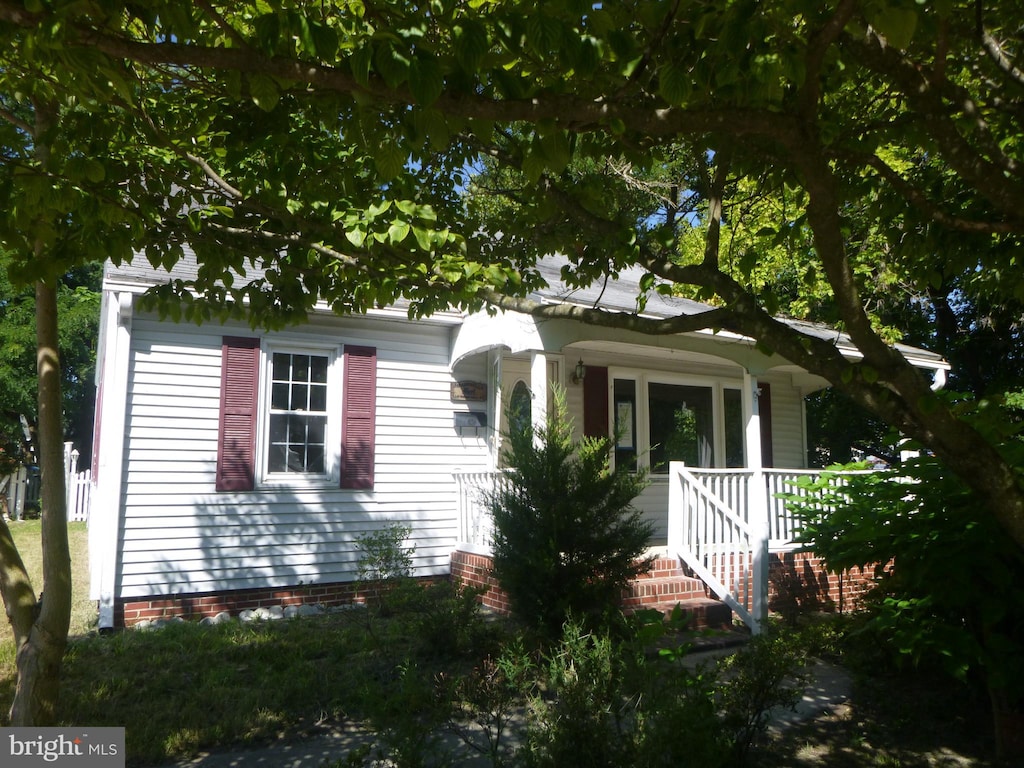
(787, 423)
(180, 535)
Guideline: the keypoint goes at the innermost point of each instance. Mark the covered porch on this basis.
(717, 421)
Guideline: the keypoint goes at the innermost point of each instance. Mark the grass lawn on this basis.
(26, 535)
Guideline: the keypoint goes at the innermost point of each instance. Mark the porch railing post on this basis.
(757, 498)
(760, 532)
(676, 508)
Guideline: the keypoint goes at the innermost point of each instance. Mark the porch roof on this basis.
(519, 333)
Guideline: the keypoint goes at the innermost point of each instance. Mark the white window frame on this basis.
(644, 378)
(331, 477)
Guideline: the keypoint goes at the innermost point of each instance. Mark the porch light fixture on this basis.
(579, 372)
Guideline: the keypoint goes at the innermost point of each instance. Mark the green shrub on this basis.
(384, 565)
(566, 540)
(602, 704)
(764, 675)
(954, 596)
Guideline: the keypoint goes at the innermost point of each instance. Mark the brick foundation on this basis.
(475, 571)
(798, 583)
(132, 610)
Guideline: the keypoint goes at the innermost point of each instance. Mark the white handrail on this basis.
(716, 542)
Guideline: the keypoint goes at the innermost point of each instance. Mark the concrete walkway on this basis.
(828, 687)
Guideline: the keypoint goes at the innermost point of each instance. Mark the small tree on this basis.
(566, 538)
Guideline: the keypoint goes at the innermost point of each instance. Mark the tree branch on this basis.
(817, 48)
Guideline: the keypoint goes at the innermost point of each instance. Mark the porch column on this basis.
(539, 389)
(498, 405)
(757, 497)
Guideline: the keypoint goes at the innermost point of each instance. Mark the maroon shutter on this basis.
(358, 415)
(595, 402)
(236, 444)
(764, 410)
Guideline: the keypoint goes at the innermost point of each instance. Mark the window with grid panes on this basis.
(297, 426)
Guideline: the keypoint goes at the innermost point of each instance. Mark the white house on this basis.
(235, 468)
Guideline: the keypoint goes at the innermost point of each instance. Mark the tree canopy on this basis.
(357, 152)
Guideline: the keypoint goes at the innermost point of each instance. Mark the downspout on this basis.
(105, 517)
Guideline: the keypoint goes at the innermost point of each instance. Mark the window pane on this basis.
(300, 397)
(682, 426)
(520, 408)
(318, 398)
(279, 397)
(282, 366)
(300, 367)
(318, 370)
(625, 423)
(315, 428)
(278, 429)
(315, 459)
(735, 456)
(277, 460)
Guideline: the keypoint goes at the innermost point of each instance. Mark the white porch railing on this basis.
(721, 522)
(724, 522)
(476, 526)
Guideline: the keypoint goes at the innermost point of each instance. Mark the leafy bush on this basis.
(566, 539)
(764, 676)
(385, 563)
(954, 596)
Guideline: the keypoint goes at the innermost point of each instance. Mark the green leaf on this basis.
(389, 159)
(471, 44)
(423, 238)
(425, 80)
(398, 231)
(263, 91)
(533, 164)
(432, 126)
(543, 33)
(325, 41)
(675, 83)
(555, 144)
(896, 25)
(360, 61)
(268, 31)
(392, 64)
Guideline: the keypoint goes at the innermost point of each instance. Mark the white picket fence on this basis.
(22, 488)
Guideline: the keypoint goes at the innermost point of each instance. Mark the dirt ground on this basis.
(904, 722)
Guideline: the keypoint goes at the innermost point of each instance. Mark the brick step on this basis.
(664, 568)
(701, 612)
(663, 589)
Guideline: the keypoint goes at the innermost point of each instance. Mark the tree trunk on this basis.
(41, 653)
(15, 587)
(1008, 726)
